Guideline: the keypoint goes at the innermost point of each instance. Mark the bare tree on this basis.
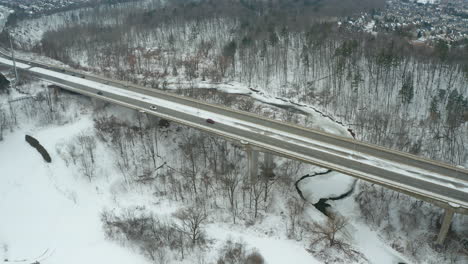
(256, 191)
(237, 253)
(329, 231)
(3, 123)
(191, 223)
(88, 145)
(295, 207)
(190, 150)
(86, 155)
(231, 181)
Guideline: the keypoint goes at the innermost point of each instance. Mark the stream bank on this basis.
(322, 204)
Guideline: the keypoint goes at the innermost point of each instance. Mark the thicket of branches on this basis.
(157, 239)
(20, 14)
(419, 221)
(211, 175)
(208, 170)
(236, 253)
(165, 240)
(44, 106)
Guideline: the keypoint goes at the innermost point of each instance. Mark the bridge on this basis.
(438, 183)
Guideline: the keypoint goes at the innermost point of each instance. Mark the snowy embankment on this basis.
(275, 250)
(48, 214)
(323, 123)
(51, 213)
(360, 234)
(326, 122)
(328, 186)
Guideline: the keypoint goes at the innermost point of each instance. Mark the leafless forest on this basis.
(410, 98)
(390, 92)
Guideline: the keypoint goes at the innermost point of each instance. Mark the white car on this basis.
(153, 107)
(244, 142)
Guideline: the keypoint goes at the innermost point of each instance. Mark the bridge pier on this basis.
(445, 227)
(268, 160)
(253, 162)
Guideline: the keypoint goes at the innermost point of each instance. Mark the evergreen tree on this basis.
(229, 49)
(305, 56)
(456, 108)
(273, 38)
(407, 89)
(434, 108)
(442, 93)
(441, 49)
(356, 80)
(4, 83)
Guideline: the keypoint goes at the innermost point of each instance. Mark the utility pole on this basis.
(13, 57)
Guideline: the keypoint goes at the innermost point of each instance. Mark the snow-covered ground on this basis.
(369, 27)
(4, 13)
(427, 1)
(320, 123)
(274, 250)
(51, 213)
(29, 32)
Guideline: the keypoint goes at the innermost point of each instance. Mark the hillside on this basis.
(126, 187)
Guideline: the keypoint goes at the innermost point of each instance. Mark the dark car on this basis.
(99, 93)
(210, 121)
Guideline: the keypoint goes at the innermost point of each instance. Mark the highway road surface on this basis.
(439, 183)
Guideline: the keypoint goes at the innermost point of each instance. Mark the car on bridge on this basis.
(153, 107)
(210, 121)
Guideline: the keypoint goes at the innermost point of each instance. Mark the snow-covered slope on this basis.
(51, 213)
(48, 213)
